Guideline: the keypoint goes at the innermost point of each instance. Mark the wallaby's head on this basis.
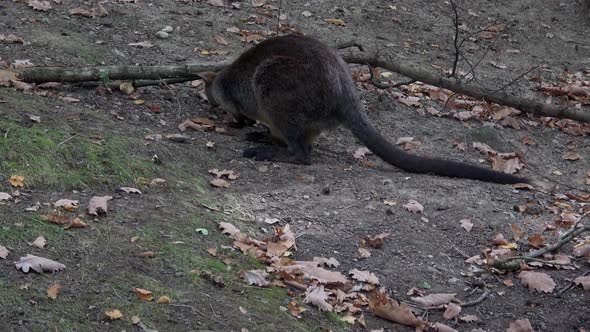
(208, 77)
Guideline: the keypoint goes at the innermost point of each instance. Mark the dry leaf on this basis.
(219, 183)
(571, 156)
(212, 251)
(216, 3)
(38, 264)
(466, 224)
(55, 217)
(413, 206)
(451, 311)
(521, 325)
(583, 281)
(499, 240)
(143, 294)
(98, 205)
(17, 180)
(317, 296)
(517, 233)
(5, 196)
(113, 314)
(229, 229)
(129, 190)
(323, 276)
(39, 242)
(376, 241)
(363, 253)
(536, 241)
(255, 277)
(433, 300)
(221, 40)
(163, 300)
(67, 204)
(538, 281)
(52, 291)
(469, 318)
(40, 5)
(258, 3)
(364, 276)
(336, 22)
(295, 309)
(361, 152)
(76, 223)
(3, 252)
(383, 306)
(228, 174)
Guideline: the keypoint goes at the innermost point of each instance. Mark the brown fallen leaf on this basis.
(39, 242)
(499, 240)
(330, 262)
(3, 252)
(364, 276)
(413, 206)
(143, 294)
(521, 325)
(38, 264)
(317, 296)
(583, 281)
(221, 40)
(538, 281)
(434, 300)
(295, 309)
(376, 241)
(76, 223)
(536, 241)
(572, 156)
(113, 314)
(164, 300)
(469, 318)
(227, 174)
(229, 229)
(98, 205)
(383, 306)
(42, 6)
(5, 196)
(451, 311)
(55, 217)
(129, 190)
(219, 183)
(52, 291)
(517, 233)
(255, 277)
(466, 224)
(336, 22)
(361, 152)
(67, 204)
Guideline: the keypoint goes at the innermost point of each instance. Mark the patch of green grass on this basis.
(27, 229)
(335, 318)
(51, 158)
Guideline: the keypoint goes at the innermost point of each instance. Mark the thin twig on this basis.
(68, 139)
(476, 301)
(456, 41)
(188, 306)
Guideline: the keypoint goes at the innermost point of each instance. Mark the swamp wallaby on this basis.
(299, 87)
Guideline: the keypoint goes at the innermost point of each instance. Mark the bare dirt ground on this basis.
(97, 145)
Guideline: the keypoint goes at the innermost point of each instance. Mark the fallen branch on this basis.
(104, 74)
(455, 85)
(513, 264)
(189, 72)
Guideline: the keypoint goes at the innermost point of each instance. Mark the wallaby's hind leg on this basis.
(298, 151)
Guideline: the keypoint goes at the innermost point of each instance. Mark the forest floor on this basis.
(70, 142)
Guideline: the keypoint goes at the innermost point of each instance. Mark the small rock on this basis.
(167, 29)
(162, 34)
(326, 191)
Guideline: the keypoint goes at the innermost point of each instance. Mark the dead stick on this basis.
(455, 85)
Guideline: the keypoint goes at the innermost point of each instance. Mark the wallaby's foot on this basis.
(259, 137)
(241, 122)
(260, 153)
(273, 153)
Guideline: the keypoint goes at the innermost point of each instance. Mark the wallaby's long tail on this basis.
(359, 124)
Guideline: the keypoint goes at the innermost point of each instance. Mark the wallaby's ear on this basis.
(207, 76)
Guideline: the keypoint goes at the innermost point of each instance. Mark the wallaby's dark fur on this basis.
(299, 87)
